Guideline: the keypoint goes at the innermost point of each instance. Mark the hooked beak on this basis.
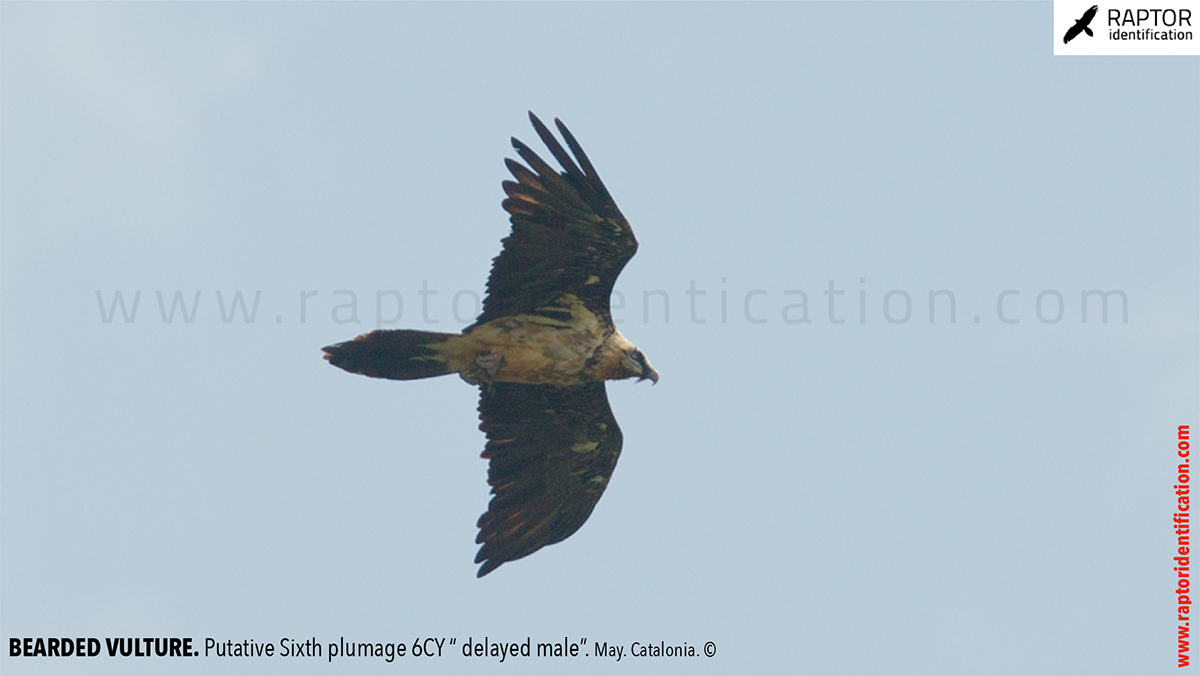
(650, 374)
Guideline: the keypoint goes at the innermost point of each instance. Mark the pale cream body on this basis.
(539, 350)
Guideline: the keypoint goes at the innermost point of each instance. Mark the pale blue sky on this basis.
(866, 497)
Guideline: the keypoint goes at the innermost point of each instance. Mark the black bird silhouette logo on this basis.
(1081, 26)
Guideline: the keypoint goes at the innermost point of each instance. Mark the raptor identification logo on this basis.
(1127, 28)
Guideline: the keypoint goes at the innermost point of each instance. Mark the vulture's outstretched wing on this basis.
(568, 237)
(552, 451)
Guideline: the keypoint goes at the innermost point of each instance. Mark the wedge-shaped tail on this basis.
(397, 355)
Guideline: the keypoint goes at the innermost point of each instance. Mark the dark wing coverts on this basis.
(568, 237)
(552, 451)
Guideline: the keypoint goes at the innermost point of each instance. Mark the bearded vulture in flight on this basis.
(540, 353)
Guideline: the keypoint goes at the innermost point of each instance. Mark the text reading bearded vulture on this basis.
(540, 352)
